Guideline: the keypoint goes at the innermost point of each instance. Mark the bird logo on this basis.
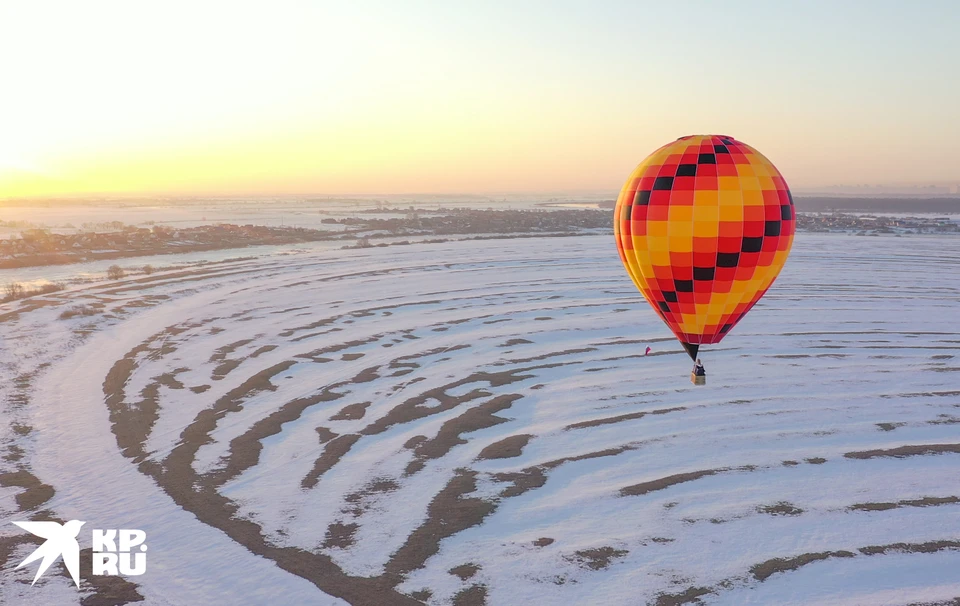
(61, 541)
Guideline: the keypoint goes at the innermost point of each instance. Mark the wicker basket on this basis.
(701, 380)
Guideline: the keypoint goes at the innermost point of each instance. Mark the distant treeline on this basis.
(916, 205)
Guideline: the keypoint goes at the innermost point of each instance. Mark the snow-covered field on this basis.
(474, 422)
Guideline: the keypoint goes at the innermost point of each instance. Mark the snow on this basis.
(854, 349)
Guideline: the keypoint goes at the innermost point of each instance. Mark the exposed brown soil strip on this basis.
(543, 542)
(331, 455)
(402, 361)
(905, 451)
(607, 452)
(22, 387)
(361, 499)
(513, 342)
(945, 420)
(413, 408)
(925, 394)
(475, 595)
(478, 417)
(317, 355)
(869, 332)
(506, 448)
(535, 476)
(35, 493)
(621, 418)
(351, 412)
(768, 568)
(220, 354)
(108, 590)
(633, 341)
(929, 547)
(782, 508)
(315, 324)
(340, 535)
(464, 571)
(661, 483)
(325, 434)
(765, 570)
(690, 596)
(224, 368)
(595, 559)
(449, 512)
(521, 481)
(924, 502)
(28, 306)
(262, 350)
(889, 426)
(553, 354)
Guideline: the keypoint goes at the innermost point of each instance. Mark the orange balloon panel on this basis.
(703, 226)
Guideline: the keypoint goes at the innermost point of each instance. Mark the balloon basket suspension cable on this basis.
(692, 350)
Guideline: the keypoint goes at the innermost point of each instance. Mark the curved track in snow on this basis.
(475, 422)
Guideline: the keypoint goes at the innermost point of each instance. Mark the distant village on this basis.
(875, 225)
(33, 246)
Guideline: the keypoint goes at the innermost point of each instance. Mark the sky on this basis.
(286, 98)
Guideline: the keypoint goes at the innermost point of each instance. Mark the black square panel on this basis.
(703, 273)
(663, 306)
(752, 245)
(720, 149)
(786, 212)
(642, 199)
(707, 159)
(670, 296)
(663, 183)
(728, 259)
(771, 228)
(683, 285)
(687, 170)
(725, 328)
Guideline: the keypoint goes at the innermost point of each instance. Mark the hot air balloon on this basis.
(704, 226)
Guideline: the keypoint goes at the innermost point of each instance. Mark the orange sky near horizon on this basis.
(296, 97)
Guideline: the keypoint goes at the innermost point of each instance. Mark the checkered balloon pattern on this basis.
(703, 226)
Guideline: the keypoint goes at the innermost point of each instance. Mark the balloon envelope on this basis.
(704, 226)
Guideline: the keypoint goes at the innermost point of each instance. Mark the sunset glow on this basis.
(387, 97)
